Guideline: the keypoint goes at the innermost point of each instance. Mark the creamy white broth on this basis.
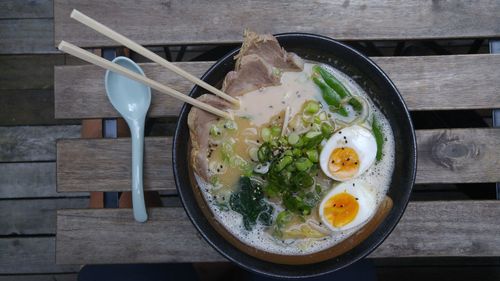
(259, 106)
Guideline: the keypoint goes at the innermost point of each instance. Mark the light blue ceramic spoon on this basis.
(131, 99)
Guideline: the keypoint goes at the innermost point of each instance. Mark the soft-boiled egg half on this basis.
(347, 205)
(348, 153)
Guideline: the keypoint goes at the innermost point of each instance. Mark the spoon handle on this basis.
(137, 133)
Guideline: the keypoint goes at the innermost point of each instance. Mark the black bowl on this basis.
(386, 97)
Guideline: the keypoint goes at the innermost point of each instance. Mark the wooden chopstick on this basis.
(93, 59)
(106, 31)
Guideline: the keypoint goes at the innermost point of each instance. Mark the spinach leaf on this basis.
(249, 202)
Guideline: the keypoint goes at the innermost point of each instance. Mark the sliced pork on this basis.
(259, 64)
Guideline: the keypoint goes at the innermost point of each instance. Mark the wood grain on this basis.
(445, 228)
(27, 36)
(29, 107)
(15, 9)
(33, 143)
(217, 22)
(28, 72)
(427, 229)
(107, 162)
(30, 255)
(30, 180)
(470, 154)
(34, 216)
(426, 83)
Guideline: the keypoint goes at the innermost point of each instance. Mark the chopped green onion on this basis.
(297, 152)
(283, 162)
(293, 138)
(254, 153)
(311, 107)
(265, 133)
(326, 129)
(264, 153)
(275, 131)
(303, 164)
(215, 130)
(313, 155)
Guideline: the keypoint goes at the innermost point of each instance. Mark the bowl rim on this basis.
(382, 236)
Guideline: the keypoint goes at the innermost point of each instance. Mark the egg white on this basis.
(366, 200)
(360, 140)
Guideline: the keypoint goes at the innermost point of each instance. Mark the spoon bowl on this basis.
(132, 99)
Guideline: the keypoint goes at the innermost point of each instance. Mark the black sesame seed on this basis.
(258, 141)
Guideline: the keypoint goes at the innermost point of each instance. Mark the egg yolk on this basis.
(343, 163)
(341, 209)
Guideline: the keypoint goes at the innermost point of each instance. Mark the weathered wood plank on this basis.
(444, 156)
(34, 216)
(27, 36)
(445, 228)
(466, 228)
(29, 107)
(468, 155)
(426, 83)
(15, 9)
(77, 86)
(33, 143)
(195, 22)
(44, 277)
(30, 180)
(35, 71)
(30, 255)
(445, 82)
(104, 164)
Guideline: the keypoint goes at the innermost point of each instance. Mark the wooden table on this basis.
(435, 228)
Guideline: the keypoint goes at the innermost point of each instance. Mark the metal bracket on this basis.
(495, 49)
(110, 130)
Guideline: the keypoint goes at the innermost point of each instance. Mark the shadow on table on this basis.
(361, 271)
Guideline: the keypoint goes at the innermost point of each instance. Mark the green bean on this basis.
(332, 81)
(283, 162)
(356, 104)
(338, 87)
(329, 95)
(379, 138)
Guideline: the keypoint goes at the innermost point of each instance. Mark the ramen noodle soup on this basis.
(306, 161)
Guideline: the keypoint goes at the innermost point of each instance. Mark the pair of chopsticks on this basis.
(96, 60)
